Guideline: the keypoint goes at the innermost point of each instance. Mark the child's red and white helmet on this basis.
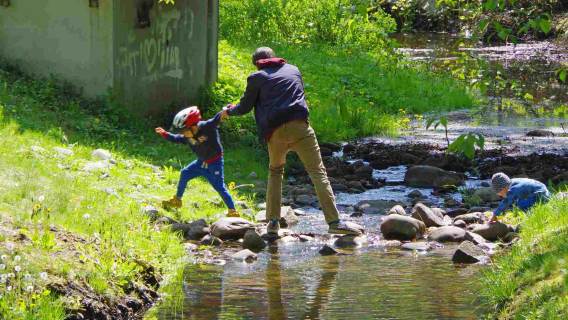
(187, 117)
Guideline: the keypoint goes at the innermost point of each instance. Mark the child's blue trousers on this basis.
(213, 172)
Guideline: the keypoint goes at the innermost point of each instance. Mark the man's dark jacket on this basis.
(276, 92)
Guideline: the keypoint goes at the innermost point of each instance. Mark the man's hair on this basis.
(262, 53)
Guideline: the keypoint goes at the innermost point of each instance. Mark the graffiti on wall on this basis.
(158, 54)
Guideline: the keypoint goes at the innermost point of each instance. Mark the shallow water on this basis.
(292, 281)
(531, 65)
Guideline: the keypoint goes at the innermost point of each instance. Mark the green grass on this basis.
(40, 189)
(531, 281)
(350, 94)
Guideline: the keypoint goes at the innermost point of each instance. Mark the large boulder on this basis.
(486, 194)
(191, 231)
(253, 241)
(231, 228)
(447, 234)
(467, 252)
(398, 227)
(430, 218)
(491, 231)
(429, 176)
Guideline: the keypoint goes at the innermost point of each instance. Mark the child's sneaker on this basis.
(345, 227)
(173, 203)
(232, 213)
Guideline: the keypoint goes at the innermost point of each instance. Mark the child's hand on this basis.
(224, 114)
(161, 131)
(493, 219)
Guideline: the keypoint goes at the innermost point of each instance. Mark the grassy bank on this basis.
(530, 282)
(350, 93)
(62, 223)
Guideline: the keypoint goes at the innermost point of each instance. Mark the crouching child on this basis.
(522, 193)
(204, 140)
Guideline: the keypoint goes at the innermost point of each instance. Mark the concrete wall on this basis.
(66, 38)
(160, 66)
(166, 62)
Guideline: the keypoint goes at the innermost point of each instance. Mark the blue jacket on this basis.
(523, 193)
(277, 94)
(206, 143)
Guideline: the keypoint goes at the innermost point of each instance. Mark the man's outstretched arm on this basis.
(248, 99)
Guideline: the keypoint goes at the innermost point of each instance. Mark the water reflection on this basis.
(291, 281)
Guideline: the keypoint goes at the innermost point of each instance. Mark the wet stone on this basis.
(491, 231)
(398, 209)
(328, 251)
(350, 241)
(415, 194)
(398, 227)
(456, 212)
(469, 218)
(209, 240)
(475, 238)
(467, 252)
(245, 255)
(426, 215)
(305, 238)
(460, 224)
(447, 234)
(540, 133)
(416, 246)
(253, 241)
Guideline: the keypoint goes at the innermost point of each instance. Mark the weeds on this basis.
(531, 282)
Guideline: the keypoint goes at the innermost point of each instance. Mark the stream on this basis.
(291, 280)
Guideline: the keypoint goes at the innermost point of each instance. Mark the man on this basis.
(276, 91)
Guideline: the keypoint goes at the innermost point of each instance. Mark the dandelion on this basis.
(29, 288)
(86, 216)
(2, 278)
(41, 198)
(9, 288)
(17, 268)
(27, 277)
(43, 275)
(3, 257)
(17, 258)
(2, 266)
(11, 275)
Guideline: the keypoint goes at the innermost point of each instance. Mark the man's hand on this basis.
(161, 131)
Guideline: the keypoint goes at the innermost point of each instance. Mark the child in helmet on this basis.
(522, 193)
(204, 140)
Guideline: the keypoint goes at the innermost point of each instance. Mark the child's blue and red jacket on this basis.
(206, 144)
(523, 193)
